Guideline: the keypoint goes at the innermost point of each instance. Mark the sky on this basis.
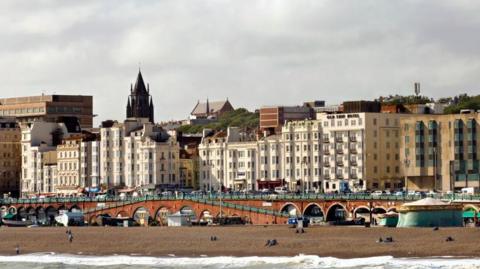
(253, 52)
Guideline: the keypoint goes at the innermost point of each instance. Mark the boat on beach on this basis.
(16, 223)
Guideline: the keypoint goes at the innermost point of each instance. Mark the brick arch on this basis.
(470, 206)
(313, 204)
(336, 204)
(286, 205)
(379, 207)
(74, 206)
(12, 209)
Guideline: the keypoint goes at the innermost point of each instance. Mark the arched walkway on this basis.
(186, 210)
(290, 209)
(162, 216)
(51, 213)
(31, 214)
(141, 216)
(206, 216)
(41, 215)
(336, 212)
(379, 210)
(362, 212)
(22, 213)
(314, 213)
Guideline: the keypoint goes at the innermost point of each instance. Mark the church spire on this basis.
(140, 103)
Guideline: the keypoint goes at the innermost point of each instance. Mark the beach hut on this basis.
(430, 212)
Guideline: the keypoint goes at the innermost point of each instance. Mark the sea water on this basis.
(57, 261)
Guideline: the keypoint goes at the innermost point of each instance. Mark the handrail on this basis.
(236, 197)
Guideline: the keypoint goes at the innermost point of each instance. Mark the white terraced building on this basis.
(137, 153)
(334, 153)
(39, 141)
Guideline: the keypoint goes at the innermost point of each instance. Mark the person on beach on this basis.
(17, 249)
(70, 237)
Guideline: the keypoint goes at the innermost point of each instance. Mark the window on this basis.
(374, 121)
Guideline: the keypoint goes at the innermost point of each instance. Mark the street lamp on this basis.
(435, 168)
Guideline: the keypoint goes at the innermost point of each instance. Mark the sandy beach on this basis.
(341, 242)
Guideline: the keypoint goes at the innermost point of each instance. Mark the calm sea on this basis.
(50, 260)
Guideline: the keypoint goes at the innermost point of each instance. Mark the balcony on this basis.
(353, 150)
(327, 152)
(339, 163)
(339, 139)
(353, 163)
(326, 140)
(339, 151)
(339, 176)
(353, 176)
(327, 176)
(326, 164)
(353, 139)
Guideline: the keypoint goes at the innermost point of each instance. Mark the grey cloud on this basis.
(254, 52)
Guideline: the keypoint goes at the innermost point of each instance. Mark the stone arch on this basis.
(161, 215)
(392, 209)
(314, 212)
(141, 215)
(336, 212)
(362, 212)
(291, 209)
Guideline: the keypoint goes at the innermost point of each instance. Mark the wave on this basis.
(300, 261)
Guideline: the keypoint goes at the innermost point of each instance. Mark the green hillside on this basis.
(240, 117)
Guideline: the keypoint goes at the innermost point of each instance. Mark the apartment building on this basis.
(361, 150)
(301, 147)
(49, 108)
(138, 153)
(38, 146)
(10, 157)
(441, 151)
(334, 153)
(75, 163)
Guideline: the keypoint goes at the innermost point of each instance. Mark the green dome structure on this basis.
(430, 212)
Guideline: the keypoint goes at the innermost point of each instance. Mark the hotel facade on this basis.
(334, 153)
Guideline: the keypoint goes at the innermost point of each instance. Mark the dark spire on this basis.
(140, 103)
(139, 84)
(129, 107)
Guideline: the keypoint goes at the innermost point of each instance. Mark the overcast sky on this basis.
(253, 52)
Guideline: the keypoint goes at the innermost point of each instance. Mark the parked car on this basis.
(377, 193)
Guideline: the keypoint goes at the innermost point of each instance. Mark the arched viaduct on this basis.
(254, 211)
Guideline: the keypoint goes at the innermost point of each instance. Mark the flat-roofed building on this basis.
(274, 117)
(49, 108)
(441, 151)
(10, 157)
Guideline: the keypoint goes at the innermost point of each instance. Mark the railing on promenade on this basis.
(232, 197)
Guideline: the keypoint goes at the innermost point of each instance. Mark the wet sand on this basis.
(342, 242)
